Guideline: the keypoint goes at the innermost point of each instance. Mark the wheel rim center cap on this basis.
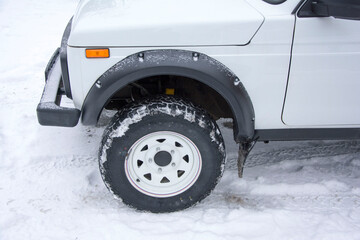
(162, 158)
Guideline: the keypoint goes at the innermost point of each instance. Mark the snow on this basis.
(50, 186)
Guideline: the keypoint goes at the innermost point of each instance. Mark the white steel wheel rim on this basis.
(163, 164)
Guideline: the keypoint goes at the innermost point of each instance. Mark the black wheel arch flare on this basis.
(183, 63)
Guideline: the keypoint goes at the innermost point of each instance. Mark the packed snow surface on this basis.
(50, 186)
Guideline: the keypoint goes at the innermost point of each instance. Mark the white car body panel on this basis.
(324, 80)
(262, 64)
(269, 50)
(116, 23)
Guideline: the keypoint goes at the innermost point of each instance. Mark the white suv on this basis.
(282, 70)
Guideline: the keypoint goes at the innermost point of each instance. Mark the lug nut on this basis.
(172, 151)
(159, 170)
(157, 149)
(150, 160)
(173, 164)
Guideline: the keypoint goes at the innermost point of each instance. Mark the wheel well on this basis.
(196, 76)
(195, 91)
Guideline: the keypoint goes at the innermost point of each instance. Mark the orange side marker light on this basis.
(169, 91)
(97, 53)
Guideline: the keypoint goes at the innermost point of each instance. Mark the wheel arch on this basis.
(197, 66)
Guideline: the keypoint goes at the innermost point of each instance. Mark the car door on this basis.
(324, 80)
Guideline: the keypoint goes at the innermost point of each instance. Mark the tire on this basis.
(161, 155)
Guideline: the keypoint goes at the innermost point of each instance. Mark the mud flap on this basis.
(244, 150)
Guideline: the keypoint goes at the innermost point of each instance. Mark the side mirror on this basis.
(346, 9)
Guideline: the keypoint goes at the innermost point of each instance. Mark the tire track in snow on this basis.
(300, 203)
(298, 153)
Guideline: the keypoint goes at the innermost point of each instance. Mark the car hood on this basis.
(144, 23)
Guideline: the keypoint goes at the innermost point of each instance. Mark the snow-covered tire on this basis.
(161, 155)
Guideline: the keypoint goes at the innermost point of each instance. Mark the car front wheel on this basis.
(161, 155)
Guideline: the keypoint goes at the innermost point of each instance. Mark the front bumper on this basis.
(49, 111)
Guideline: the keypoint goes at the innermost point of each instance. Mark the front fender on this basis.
(173, 62)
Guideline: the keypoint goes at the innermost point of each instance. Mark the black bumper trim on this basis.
(299, 134)
(63, 60)
(49, 111)
(51, 63)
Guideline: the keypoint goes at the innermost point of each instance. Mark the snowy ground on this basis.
(50, 187)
